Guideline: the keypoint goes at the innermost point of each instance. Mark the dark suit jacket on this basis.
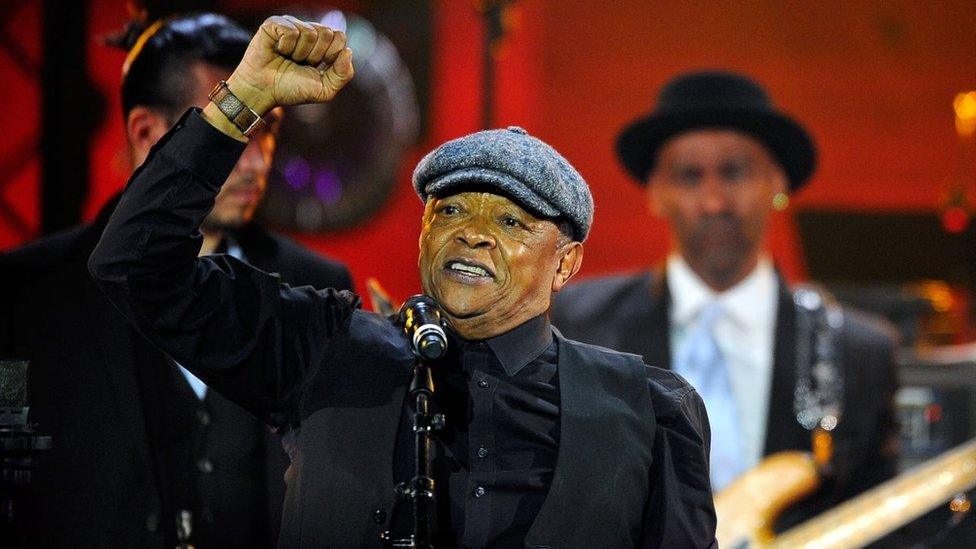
(630, 314)
(97, 485)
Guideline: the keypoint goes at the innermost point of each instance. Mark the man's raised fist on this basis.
(291, 62)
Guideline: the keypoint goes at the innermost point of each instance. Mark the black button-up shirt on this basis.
(493, 462)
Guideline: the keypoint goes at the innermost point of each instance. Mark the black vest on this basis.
(208, 457)
(340, 483)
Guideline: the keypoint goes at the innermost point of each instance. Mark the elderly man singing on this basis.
(548, 442)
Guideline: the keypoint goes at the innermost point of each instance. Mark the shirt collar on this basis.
(746, 303)
(520, 346)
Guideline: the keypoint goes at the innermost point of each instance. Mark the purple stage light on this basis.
(328, 187)
(297, 172)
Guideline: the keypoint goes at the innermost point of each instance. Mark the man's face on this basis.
(242, 193)
(716, 189)
(490, 264)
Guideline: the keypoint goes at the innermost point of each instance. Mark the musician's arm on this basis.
(874, 344)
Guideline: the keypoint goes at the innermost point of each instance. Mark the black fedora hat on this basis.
(715, 99)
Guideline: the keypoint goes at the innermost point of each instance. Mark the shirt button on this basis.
(482, 383)
(203, 417)
(479, 491)
(205, 465)
(482, 452)
(379, 516)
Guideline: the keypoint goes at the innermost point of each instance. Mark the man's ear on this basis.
(652, 198)
(143, 128)
(569, 265)
(781, 182)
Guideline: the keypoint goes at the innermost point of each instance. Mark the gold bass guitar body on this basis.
(749, 506)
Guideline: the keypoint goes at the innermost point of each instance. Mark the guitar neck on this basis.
(879, 511)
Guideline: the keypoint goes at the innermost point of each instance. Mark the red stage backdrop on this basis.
(873, 82)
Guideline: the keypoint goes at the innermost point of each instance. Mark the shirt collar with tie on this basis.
(747, 305)
(744, 332)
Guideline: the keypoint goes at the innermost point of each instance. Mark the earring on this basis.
(781, 201)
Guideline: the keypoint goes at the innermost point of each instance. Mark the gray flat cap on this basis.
(519, 166)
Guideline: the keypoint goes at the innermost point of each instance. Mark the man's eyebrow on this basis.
(739, 156)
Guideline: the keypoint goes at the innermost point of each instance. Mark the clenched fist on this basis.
(289, 62)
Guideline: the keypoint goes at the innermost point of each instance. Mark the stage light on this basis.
(955, 219)
(965, 107)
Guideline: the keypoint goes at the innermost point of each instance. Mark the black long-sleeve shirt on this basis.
(307, 361)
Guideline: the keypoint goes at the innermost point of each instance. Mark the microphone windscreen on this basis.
(13, 392)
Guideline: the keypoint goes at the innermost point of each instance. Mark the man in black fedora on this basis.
(716, 158)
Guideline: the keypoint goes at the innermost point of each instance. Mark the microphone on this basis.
(421, 321)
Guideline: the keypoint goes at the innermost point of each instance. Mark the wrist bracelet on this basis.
(235, 110)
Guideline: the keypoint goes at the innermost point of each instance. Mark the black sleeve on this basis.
(680, 512)
(242, 331)
(871, 344)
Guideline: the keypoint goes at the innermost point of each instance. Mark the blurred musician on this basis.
(716, 159)
(142, 449)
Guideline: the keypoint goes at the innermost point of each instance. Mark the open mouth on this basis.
(468, 269)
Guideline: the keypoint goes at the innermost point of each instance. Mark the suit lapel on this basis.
(116, 342)
(658, 342)
(782, 430)
(639, 323)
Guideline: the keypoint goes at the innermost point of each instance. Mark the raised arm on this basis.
(243, 332)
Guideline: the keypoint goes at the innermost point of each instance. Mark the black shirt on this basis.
(493, 461)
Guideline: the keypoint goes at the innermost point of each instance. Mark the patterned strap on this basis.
(818, 396)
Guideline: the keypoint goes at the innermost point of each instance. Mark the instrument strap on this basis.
(818, 396)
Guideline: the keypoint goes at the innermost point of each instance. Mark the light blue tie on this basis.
(700, 361)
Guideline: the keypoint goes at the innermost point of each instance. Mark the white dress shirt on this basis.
(745, 336)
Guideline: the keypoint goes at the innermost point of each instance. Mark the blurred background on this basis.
(886, 89)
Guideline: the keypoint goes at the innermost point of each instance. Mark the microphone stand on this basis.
(420, 489)
(422, 324)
